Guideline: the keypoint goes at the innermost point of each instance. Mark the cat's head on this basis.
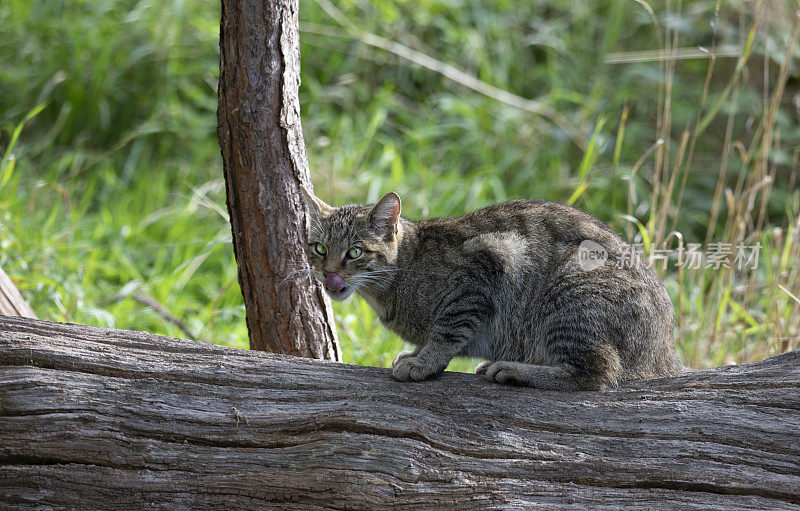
(353, 247)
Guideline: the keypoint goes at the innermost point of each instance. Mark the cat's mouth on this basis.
(337, 287)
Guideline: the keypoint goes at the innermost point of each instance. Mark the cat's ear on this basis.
(385, 215)
(314, 203)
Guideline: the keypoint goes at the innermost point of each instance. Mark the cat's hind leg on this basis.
(528, 375)
(481, 368)
(600, 372)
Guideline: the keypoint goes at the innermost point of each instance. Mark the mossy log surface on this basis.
(97, 418)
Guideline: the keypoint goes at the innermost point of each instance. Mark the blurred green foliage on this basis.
(114, 189)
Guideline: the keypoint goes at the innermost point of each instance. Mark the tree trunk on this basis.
(264, 161)
(103, 419)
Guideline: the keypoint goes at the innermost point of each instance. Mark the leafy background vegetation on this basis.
(654, 116)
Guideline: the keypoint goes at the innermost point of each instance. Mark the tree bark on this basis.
(264, 161)
(103, 419)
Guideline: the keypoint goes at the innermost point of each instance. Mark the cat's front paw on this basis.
(403, 354)
(411, 368)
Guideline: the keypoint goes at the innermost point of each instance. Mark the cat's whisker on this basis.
(378, 273)
(377, 276)
(298, 262)
(357, 280)
(388, 271)
(296, 274)
(369, 280)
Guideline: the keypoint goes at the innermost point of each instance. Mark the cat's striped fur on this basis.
(503, 284)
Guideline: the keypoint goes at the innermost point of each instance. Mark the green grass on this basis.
(111, 189)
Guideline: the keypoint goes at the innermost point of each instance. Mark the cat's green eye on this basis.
(320, 249)
(354, 253)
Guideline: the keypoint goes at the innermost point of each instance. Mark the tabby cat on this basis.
(506, 284)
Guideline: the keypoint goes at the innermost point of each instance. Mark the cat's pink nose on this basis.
(334, 282)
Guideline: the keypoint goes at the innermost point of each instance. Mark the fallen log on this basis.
(98, 418)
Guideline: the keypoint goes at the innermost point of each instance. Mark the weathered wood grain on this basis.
(96, 418)
(11, 302)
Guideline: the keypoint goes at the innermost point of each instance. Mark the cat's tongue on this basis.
(334, 282)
